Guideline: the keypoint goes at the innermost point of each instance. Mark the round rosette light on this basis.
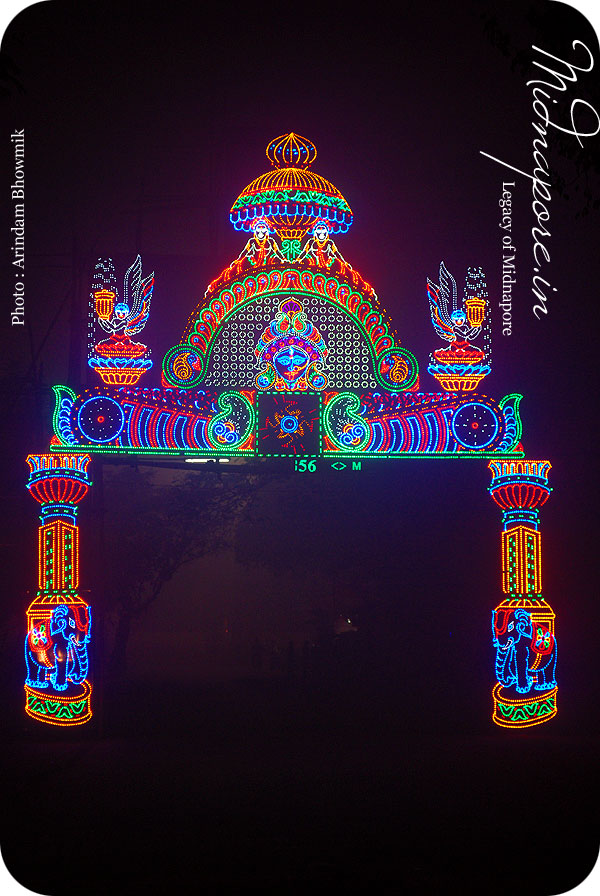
(183, 366)
(397, 369)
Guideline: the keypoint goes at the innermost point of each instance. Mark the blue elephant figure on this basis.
(58, 648)
(525, 651)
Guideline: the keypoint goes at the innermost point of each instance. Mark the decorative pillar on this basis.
(58, 619)
(523, 624)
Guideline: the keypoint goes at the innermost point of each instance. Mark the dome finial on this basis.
(291, 151)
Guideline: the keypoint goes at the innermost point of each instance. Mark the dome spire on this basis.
(290, 197)
(291, 151)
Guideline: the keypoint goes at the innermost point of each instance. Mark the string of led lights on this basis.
(58, 619)
(289, 354)
(523, 623)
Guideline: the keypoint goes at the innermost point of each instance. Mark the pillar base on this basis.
(59, 708)
(514, 710)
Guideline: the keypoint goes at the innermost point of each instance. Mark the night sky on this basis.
(144, 122)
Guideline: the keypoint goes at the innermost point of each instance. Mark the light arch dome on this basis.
(290, 196)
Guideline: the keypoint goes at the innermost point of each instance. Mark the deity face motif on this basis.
(321, 232)
(458, 318)
(261, 230)
(121, 310)
(291, 363)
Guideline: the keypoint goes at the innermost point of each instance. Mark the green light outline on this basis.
(216, 453)
(278, 291)
(293, 195)
(518, 398)
(402, 387)
(397, 455)
(179, 349)
(353, 407)
(319, 396)
(225, 411)
(58, 390)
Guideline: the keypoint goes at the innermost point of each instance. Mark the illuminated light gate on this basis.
(289, 354)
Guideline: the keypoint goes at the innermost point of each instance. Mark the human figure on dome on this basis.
(321, 249)
(261, 249)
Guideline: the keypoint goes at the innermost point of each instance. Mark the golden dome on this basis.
(291, 196)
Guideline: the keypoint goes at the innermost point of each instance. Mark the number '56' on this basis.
(303, 465)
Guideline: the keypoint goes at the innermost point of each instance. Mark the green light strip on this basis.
(191, 452)
(293, 195)
(416, 456)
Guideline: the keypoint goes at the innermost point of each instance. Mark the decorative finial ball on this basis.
(291, 151)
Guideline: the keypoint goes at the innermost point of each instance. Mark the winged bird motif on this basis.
(118, 360)
(131, 315)
(453, 322)
(460, 366)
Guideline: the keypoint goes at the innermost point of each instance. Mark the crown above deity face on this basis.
(291, 352)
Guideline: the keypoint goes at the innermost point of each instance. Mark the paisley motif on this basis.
(233, 425)
(344, 425)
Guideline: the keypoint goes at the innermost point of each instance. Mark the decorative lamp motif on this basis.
(520, 485)
(105, 303)
(461, 366)
(118, 360)
(475, 310)
(58, 480)
(290, 197)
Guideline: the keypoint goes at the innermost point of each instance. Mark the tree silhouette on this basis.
(160, 519)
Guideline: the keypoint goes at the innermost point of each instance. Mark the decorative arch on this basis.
(186, 365)
(286, 394)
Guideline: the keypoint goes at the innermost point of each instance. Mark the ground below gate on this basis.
(278, 785)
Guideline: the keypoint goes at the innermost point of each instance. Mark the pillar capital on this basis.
(58, 482)
(520, 488)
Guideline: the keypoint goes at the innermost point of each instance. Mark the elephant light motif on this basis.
(56, 649)
(525, 651)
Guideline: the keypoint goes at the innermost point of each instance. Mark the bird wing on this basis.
(134, 325)
(131, 286)
(448, 287)
(141, 309)
(438, 306)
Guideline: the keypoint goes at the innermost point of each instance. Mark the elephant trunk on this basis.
(79, 662)
(502, 658)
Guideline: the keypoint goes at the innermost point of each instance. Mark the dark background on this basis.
(143, 123)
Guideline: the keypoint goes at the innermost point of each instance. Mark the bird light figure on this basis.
(460, 366)
(130, 315)
(118, 360)
(456, 324)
